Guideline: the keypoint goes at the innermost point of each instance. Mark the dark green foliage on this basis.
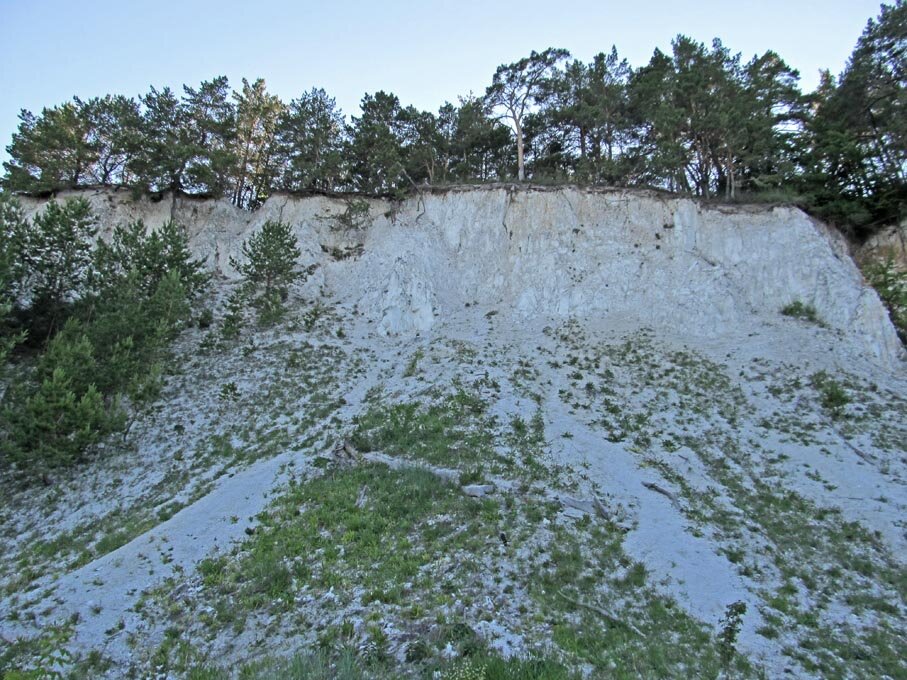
(857, 142)
(310, 141)
(150, 256)
(186, 144)
(56, 255)
(584, 126)
(125, 303)
(375, 150)
(799, 310)
(355, 216)
(234, 318)
(269, 266)
(74, 144)
(697, 120)
(832, 395)
(12, 238)
(730, 629)
(52, 426)
(257, 169)
(477, 146)
(890, 283)
(51, 151)
(515, 87)
(73, 397)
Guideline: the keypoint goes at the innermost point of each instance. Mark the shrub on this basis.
(354, 217)
(53, 426)
(12, 235)
(134, 302)
(234, 318)
(730, 630)
(832, 395)
(799, 310)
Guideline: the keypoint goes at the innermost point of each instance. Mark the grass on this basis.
(454, 432)
(645, 634)
(643, 393)
(345, 665)
(366, 534)
(805, 312)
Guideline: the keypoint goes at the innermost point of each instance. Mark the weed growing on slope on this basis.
(824, 562)
(800, 310)
(832, 395)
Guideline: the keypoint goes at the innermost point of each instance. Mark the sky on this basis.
(424, 52)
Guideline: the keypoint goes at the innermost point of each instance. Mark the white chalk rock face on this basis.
(638, 256)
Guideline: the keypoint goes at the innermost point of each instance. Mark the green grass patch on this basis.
(366, 532)
(800, 310)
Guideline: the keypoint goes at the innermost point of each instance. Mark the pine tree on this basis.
(375, 150)
(57, 259)
(269, 266)
(310, 138)
(257, 116)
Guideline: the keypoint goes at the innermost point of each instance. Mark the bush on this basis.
(832, 395)
(53, 426)
(12, 235)
(134, 302)
(799, 310)
(354, 217)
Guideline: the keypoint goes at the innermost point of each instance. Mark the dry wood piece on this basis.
(862, 454)
(660, 489)
(600, 508)
(452, 476)
(585, 506)
(601, 612)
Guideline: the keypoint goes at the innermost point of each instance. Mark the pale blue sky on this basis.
(424, 52)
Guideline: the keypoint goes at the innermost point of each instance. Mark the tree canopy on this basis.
(698, 119)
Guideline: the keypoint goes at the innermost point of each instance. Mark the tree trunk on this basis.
(519, 149)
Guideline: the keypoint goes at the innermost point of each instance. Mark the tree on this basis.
(150, 256)
(480, 147)
(584, 125)
(186, 144)
(425, 149)
(57, 259)
(114, 127)
(257, 116)
(310, 138)
(12, 238)
(856, 156)
(515, 87)
(773, 114)
(269, 266)
(375, 150)
(50, 152)
(52, 427)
